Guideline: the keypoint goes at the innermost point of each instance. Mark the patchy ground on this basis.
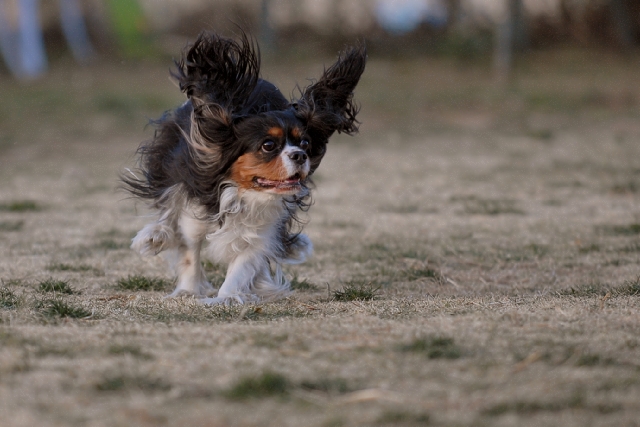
(498, 231)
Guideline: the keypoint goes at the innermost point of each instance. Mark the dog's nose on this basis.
(298, 157)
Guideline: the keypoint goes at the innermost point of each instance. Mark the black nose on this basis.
(298, 157)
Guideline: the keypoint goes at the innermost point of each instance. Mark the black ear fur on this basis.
(219, 75)
(327, 105)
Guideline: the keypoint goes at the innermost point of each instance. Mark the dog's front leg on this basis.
(237, 285)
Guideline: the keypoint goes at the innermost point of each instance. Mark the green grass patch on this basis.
(68, 267)
(269, 384)
(627, 230)
(20, 206)
(592, 359)
(528, 407)
(434, 347)
(8, 299)
(11, 225)
(354, 291)
(629, 288)
(56, 307)
(111, 383)
(620, 230)
(57, 286)
(592, 247)
(142, 283)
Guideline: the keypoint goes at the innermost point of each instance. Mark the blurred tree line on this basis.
(467, 29)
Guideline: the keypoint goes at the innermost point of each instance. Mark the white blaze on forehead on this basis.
(292, 167)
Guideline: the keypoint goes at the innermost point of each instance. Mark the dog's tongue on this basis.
(285, 183)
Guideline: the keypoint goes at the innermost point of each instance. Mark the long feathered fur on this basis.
(327, 105)
(219, 71)
(186, 166)
(221, 79)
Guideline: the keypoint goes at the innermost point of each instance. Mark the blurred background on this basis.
(96, 68)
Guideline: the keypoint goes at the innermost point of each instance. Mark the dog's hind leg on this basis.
(185, 258)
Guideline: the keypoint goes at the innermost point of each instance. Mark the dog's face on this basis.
(277, 154)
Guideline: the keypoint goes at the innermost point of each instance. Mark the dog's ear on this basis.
(218, 75)
(327, 105)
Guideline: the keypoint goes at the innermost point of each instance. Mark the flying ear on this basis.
(327, 105)
(219, 70)
(218, 75)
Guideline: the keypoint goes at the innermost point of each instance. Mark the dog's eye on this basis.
(304, 144)
(268, 146)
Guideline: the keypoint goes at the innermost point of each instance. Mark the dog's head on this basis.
(244, 129)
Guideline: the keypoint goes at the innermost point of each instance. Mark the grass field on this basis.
(476, 263)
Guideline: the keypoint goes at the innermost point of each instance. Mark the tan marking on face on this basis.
(296, 133)
(248, 166)
(275, 132)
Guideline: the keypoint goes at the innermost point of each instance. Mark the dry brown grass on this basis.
(503, 241)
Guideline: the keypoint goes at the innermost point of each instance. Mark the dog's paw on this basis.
(201, 290)
(179, 293)
(230, 299)
(152, 239)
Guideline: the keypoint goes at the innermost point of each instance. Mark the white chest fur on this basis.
(251, 223)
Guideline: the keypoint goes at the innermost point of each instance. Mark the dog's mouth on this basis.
(294, 182)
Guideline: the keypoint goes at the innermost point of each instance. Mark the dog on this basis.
(232, 167)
